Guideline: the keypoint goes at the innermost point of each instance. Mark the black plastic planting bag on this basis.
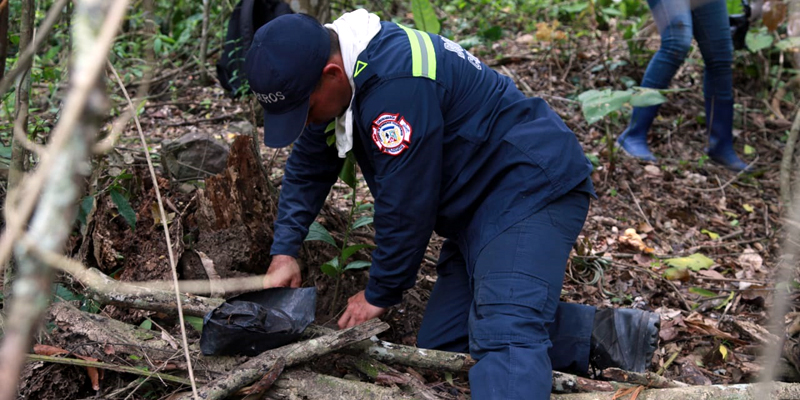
(252, 323)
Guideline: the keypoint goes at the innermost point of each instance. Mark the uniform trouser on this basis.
(505, 307)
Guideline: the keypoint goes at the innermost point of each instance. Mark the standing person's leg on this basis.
(517, 282)
(712, 31)
(674, 21)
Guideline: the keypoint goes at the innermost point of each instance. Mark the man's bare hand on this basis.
(283, 271)
(359, 311)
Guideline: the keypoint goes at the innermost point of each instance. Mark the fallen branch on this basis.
(314, 386)
(110, 367)
(380, 372)
(295, 353)
(647, 379)
(754, 391)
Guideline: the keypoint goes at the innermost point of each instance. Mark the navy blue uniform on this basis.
(448, 145)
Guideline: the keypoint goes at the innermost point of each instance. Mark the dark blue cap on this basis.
(283, 66)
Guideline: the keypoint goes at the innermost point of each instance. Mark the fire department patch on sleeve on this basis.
(391, 133)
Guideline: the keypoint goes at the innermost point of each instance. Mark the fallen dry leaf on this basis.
(751, 259)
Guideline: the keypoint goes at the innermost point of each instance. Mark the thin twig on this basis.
(166, 231)
(636, 201)
(110, 367)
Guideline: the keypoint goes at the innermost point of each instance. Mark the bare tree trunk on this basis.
(320, 9)
(18, 153)
(204, 43)
(3, 36)
(66, 160)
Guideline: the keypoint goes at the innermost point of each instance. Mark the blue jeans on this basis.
(678, 21)
(504, 306)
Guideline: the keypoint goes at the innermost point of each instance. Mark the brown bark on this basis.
(319, 9)
(779, 390)
(19, 154)
(294, 354)
(3, 36)
(300, 384)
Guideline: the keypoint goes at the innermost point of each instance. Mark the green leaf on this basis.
(87, 204)
(365, 207)
(64, 294)
(195, 322)
(789, 43)
(597, 104)
(348, 173)
(647, 97)
(749, 150)
(493, 34)
(364, 220)
(350, 250)
(331, 140)
(318, 232)
(712, 235)
(734, 7)
(331, 268)
(575, 8)
(702, 292)
(146, 324)
(425, 17)
(757, 41)
(725, 303)
(5, 152)
(357, 265)
(124, 208)
(695, 262)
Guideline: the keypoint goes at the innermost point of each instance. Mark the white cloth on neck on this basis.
(355, 30)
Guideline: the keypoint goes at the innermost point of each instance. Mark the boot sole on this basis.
(647, 343)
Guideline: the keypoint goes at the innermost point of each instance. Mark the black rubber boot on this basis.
(624, 338)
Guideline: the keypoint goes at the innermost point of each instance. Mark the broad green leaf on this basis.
(348, 174)
(647, 97)
(493, 34)
(62, 293)
(5, 152)
(748, 207)
(358, 265)
(124, 208)
(350, 250)
(575, 8)
(87, 204)
(448, 376)
(712, 235)
(365, 207)
(702, 292)
(331, 140)
(146, 324)
(734, 7)
(329, 269)
(318, 232)
(789, 43)
(364, 220)
(695, 262)
(597, 104)
(749, 150)
(195, 322)
(757, 41)
(425, 17)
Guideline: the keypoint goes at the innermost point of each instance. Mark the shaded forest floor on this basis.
(712, 318)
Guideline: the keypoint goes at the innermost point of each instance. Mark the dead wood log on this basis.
(299, 384)
(108, 335)
(109, 291)
(295, 353)
(380, 372)
(647, 379)
(755, 391)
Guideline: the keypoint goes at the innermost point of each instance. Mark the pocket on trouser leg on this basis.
(511, 306)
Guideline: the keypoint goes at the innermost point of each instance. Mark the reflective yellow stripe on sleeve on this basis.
(423, 57)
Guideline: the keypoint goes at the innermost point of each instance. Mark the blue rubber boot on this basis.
(719, 120)
(634, 140)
